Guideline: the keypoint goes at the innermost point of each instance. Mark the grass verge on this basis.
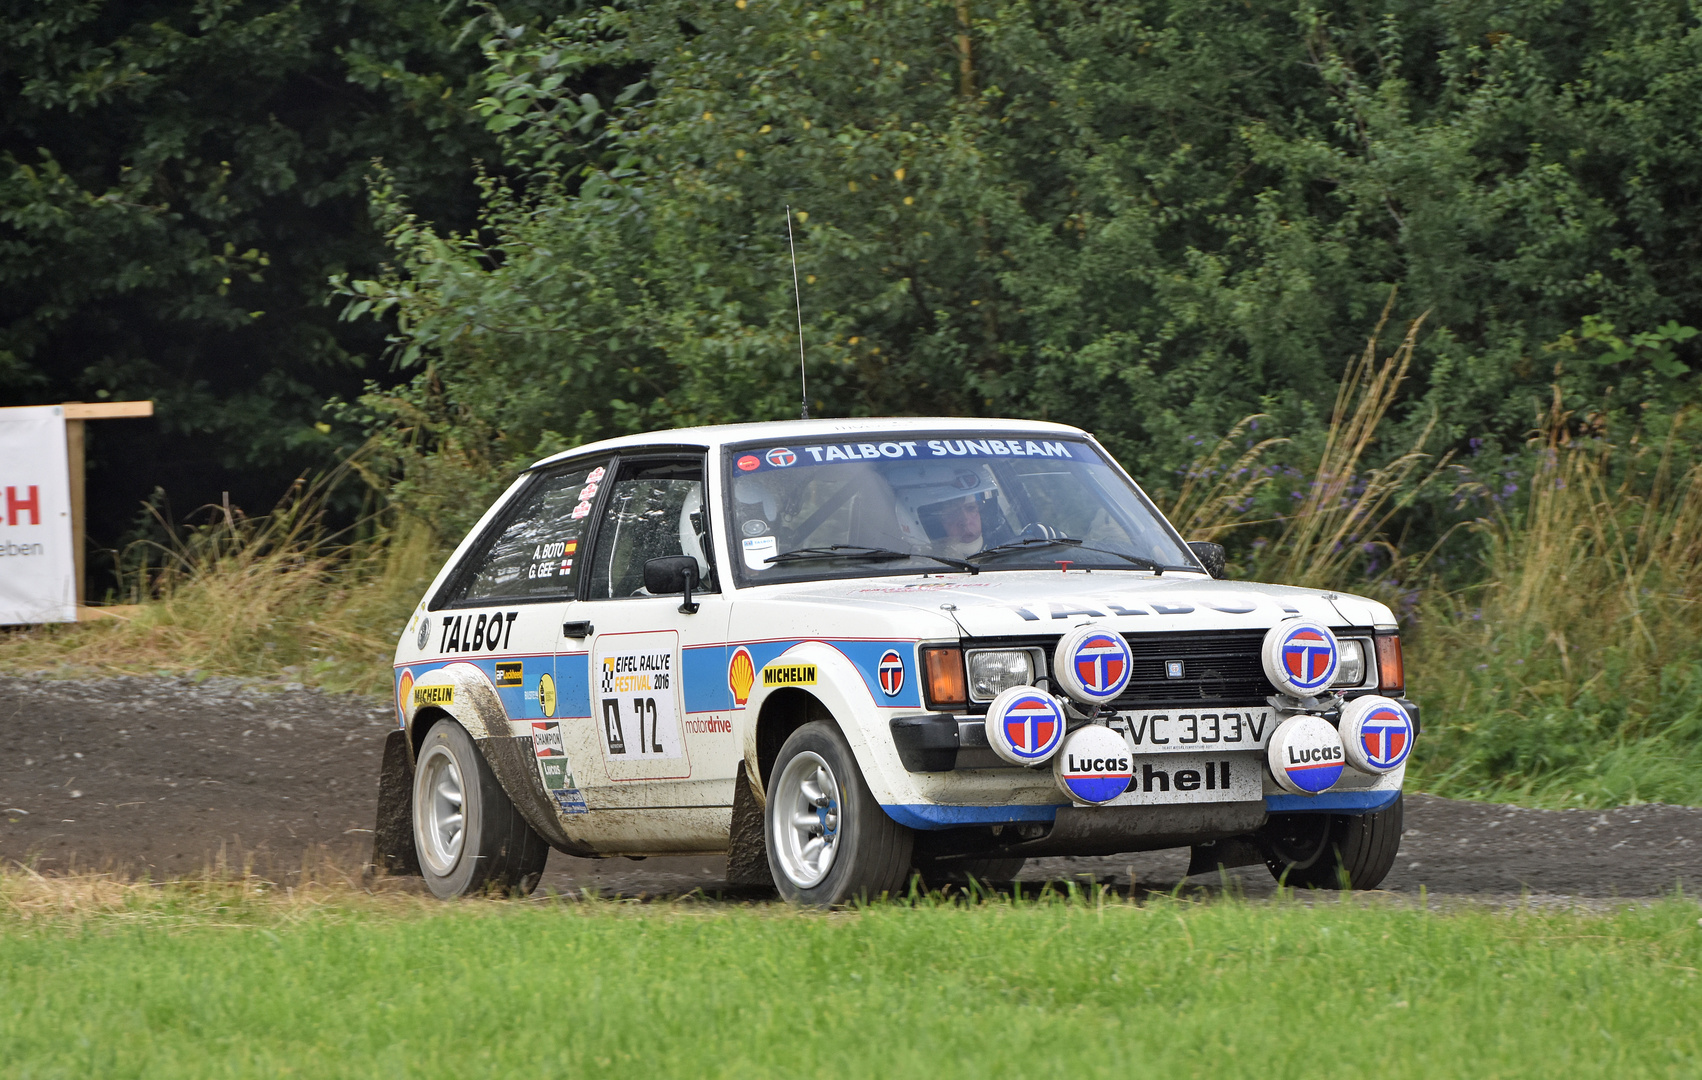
(348, 985)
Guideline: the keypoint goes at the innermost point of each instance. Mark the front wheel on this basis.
(467, 833)
(829, 841)
(1333, 851)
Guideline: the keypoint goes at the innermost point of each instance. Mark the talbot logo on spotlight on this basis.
(1386, 736)
(1309, 657)
(780, 457)
(891, 673)
(1033, 726)
(1102, 663)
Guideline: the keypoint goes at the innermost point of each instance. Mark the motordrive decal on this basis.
(783, 457)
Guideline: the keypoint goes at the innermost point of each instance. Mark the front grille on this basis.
(1219, 667)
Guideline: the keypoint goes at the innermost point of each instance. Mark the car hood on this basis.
(1002, 603)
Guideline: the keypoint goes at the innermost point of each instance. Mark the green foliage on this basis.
(1146, 219)
(177, 182)
(339, 986)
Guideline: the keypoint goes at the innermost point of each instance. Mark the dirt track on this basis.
(155, 775)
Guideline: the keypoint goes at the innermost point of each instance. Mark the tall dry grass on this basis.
(1347, 503)
(272, 596)
(1572, 672)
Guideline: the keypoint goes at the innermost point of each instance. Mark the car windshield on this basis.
(921, 503)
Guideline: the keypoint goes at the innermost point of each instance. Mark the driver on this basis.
(941, 508)
(961, 520)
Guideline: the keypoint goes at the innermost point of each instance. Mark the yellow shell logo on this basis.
(403, 689)
(547, 695)
(741, 676)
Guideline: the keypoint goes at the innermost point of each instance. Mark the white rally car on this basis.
(848, 651)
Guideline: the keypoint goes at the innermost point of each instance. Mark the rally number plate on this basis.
(1192, 731)
(1193, 778)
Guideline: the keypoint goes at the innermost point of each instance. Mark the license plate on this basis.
(1188, 731)
(1193, 778)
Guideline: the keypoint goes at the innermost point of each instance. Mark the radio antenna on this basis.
(798, 298)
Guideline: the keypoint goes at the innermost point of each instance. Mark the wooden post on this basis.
(76, 412)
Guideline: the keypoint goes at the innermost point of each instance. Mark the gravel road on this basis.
(161, 775)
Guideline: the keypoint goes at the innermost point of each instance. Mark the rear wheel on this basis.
(467, 833)
(829, 841)
(1314, 851)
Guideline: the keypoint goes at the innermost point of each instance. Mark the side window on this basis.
(535, 555)
(656, 508)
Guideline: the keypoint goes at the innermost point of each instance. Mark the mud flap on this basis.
(1224, 854)
(747, 851)
(393, 836)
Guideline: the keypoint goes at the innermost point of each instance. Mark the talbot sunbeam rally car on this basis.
(847, 652)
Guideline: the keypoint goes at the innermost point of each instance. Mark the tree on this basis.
(177, 183)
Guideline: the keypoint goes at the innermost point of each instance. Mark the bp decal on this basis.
(1301, 657)
(1025, 726)
(1306, 755)
(1377, 734)
(1093, 664)
(1093, 765)
(890, 671)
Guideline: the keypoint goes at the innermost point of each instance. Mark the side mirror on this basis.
(673, 574)
(1211, 556)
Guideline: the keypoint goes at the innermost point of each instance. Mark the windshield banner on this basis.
(785, 457)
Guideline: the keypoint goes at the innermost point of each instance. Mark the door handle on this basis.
(580, 629)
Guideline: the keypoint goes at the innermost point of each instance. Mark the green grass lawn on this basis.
(394, 988)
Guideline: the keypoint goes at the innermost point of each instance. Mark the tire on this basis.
(939, 873)
(467, 833)
(829, 842)
(1315, 851)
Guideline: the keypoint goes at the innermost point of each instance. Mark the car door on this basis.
(503, 608)
(661, 726)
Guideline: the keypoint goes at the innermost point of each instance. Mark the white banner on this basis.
(37, 570)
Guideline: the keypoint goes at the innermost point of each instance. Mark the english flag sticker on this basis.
(1093, 664)
(1377, 734)
(1094, 765)
(890, 672)
(1306, 755)
(1301, 657)
(1025, 726)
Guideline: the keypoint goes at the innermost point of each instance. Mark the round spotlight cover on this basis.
(1093, 664)
(1377, 734)
(1301, 657)
(1306, 755)
(1025, 726)
(1094, 765)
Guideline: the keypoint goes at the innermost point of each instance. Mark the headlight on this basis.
(992, 671)
(1352, 670)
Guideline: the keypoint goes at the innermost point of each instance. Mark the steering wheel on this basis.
(1036, 530)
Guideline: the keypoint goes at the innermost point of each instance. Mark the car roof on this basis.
(716, 436)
